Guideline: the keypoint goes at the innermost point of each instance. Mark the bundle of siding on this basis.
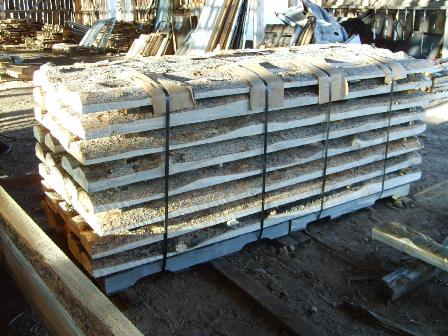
(303, 132)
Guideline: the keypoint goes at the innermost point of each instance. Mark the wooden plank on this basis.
(413, 243)
(282, 312)
(39, 296)
(119, 281)
(405, 279)
(80, 299)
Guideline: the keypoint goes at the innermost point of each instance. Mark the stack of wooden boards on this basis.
(124, 34)
(52, 34)
(154, 44)
(15, 31)
(334, 128)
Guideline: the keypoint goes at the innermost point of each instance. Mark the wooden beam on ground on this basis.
(413, 243)
(405, 279)
(67, 301)
(288, 317)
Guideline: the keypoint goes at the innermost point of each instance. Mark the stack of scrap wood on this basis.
(15, 31)
(12, 71)
(47, 37)
(154, 44)
(124, 34)
(302, 133)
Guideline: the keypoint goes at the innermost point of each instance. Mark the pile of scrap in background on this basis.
(95, 39)
(102, 144)
(304, 24)
(409, 27)
(52, 34)
(15, 31)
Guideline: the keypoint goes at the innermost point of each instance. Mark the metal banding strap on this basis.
(324, 174)
(167, 174)
(269, 81)
(162, 104)
(386, 151)
(335, 87)
(393, 71)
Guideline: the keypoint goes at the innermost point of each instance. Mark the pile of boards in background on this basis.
(124, 33)
(15, 31)
(222, 25)
(154, 44)
(52, 34)
(337, 131)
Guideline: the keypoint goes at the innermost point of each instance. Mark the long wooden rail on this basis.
(66, 300)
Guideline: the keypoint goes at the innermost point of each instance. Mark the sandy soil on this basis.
(310, 278)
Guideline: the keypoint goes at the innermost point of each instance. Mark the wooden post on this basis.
(68, 302)
(413, 243)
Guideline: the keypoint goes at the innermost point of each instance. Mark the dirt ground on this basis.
(312, 279)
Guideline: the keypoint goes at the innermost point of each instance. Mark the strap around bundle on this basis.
(392, 69)
(181, 96)
(256, 76)
(332, 83)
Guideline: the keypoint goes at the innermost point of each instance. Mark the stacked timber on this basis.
(260, 143)
(124, 33)
(15, 31)
(154, 44)
(52, 34)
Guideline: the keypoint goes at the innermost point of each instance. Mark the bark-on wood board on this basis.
(123, 172)
(197, 200)
(128, 239)
(53, 274)
(100, 86)
(413, 243)
(118, 281)
(152, 252)
(115, 146)
(207, 177)
(125, 121)
(202, 178)
(407, 278)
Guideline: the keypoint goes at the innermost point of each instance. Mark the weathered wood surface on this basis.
(98, 87)
(230, 217)
(152, 252)
(203, 198)
(413, 243)
(118, 173)
(406, 279)
(203, 178)
(120, 124)
(119, 281)
(75, 305)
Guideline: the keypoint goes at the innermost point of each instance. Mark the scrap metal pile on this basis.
(260, 143)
